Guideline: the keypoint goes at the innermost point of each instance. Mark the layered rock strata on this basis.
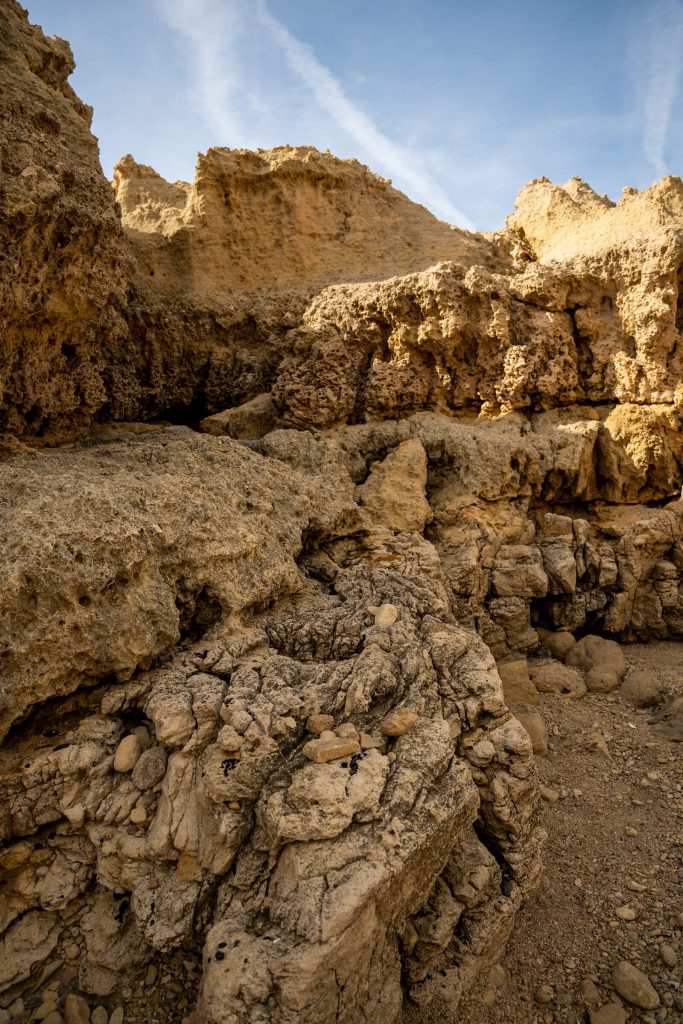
(250, 698)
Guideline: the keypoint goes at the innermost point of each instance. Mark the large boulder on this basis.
(116, 548)
(602, 661)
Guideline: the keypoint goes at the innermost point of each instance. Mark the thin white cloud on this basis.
(212, 28)
(228, 94)
(393, 159)
(661, 73)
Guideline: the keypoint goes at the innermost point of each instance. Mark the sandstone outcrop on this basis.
(255, 675)
(179, 796)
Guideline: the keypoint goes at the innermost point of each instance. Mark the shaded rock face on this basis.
(65, 267)
(248, 698)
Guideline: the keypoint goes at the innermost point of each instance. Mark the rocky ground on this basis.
(613, 884)
(612, 889)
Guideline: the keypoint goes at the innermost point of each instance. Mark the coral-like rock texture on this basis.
(288, 469)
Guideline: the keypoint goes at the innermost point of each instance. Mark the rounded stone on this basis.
(558, 645)
(601, 680)
(138, 815)
(99, 1016)
(150, 768)
(554, 677)
(643, 689)
(77, 1010)
(319, 723)
(544, 995)
(634, 986)
(597, 652)
(668, 955)
(127, 754)
(398, 722)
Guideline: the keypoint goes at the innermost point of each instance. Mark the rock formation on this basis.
(290, 470)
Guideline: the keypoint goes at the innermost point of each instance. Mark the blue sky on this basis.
(459, 103)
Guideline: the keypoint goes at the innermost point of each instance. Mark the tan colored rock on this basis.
(108, 605)
(281, 230)
(393, 496)
(596, 652)
(368, 742)
(76, 1009)
(519, 572)
(127, 754)
(248, 421)
(554, 677)
(609, 1013)
(347, 731)
(322, 750)
(558, 644)
(517, 686)
(642, 688)
(631, 983)
(385, 616)
(319, 723)
(398, 722)
(536, 728)
(601, 680)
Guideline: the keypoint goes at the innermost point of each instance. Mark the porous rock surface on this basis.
(249, 695)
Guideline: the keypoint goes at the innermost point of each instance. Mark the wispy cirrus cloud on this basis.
(662, 53)
(330, 96)
(212, 29)
(229, 92)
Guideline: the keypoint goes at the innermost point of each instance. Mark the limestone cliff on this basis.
(255, 667)
(286, 218)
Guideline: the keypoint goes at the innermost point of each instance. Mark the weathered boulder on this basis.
(554, 677)
(393, 495)
(116, 548)
(602, 662)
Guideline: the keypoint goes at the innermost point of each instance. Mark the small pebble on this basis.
(398, 722)
(668, 955)
(544, 994)
(127, 754)
(319, 723)
(76, 1009)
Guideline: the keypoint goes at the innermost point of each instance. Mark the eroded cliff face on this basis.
(65, 265)
(254, 725)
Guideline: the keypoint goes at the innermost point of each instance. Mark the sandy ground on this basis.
(615, 840)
